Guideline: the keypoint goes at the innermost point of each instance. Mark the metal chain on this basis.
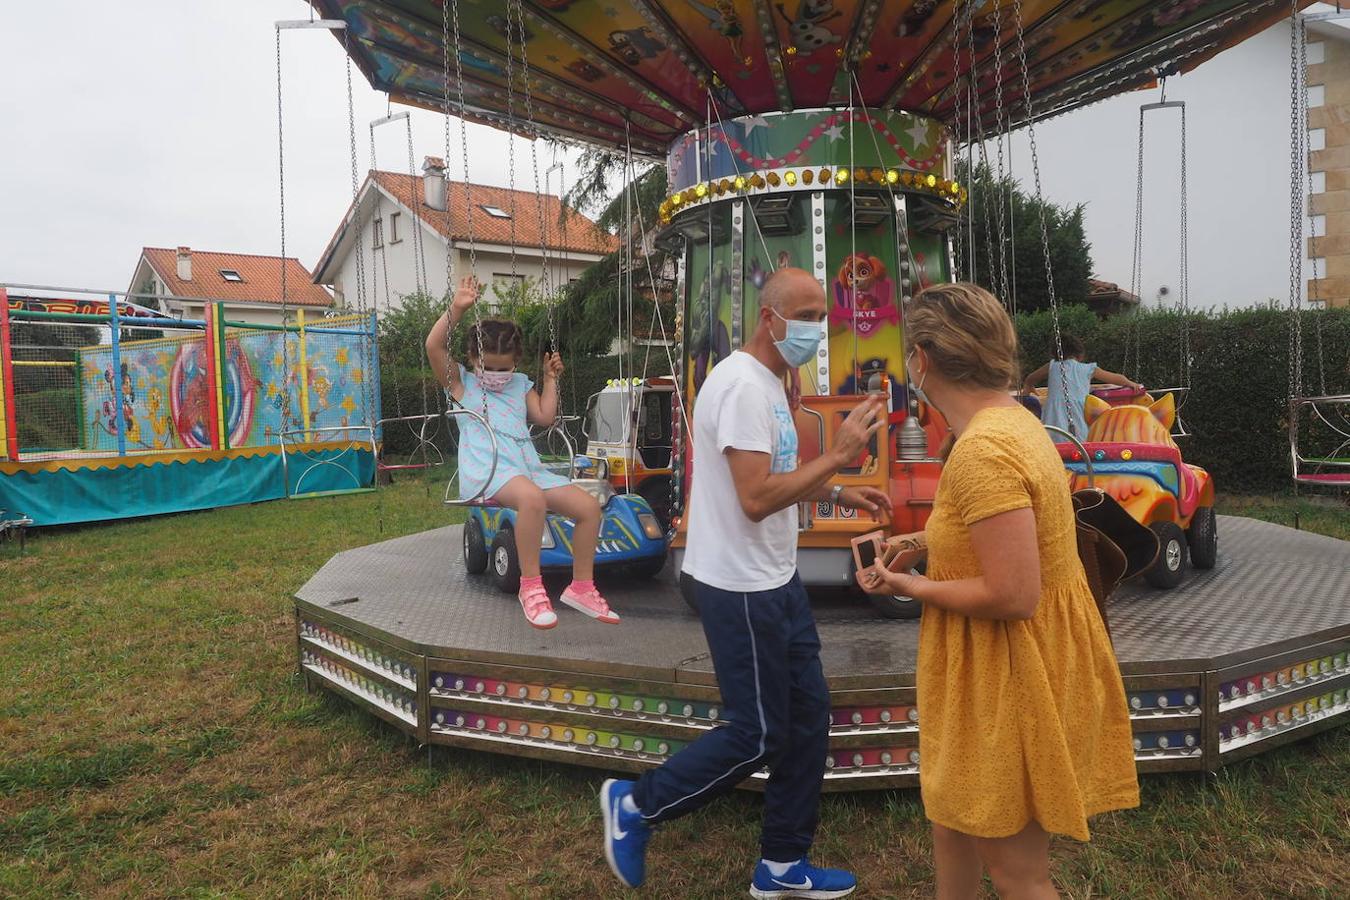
(1314, 289)
(1185, 274)
(381, 265)
(511, 133)
(1003, 127)
(1297, 139)
(446, 9)
(419, 249)
(281, 181)
(1133, 340)
(368, 383)
(1040, 205)
(545, 278)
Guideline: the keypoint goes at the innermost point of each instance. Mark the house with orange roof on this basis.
(180, 281)
(405, 225)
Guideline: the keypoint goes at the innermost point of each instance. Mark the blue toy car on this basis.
(631, 538)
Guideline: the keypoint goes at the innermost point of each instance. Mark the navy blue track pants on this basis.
(776, 714)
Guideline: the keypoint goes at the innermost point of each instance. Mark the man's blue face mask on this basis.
(801, 341)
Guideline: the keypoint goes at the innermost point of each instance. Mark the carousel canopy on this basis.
(611, 71)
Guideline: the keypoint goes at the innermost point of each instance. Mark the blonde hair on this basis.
(966, 333)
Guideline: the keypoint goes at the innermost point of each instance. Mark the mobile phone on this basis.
(866, 550)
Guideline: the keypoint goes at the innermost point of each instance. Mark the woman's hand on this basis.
(877, 579)
(466, 295)
(553, 365)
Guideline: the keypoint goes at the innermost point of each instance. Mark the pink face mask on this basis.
(495, 381)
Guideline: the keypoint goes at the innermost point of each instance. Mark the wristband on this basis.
(835, 493)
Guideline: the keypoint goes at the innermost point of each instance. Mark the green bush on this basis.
(1237, 410)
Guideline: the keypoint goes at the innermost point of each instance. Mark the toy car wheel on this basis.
(1203, 538)
(687, 592)
(648, 568)
(505, 565)
(475, 547)
(1170, 567)
(898, 607)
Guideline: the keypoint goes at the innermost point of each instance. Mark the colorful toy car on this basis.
(631, 537)
(1135, 460)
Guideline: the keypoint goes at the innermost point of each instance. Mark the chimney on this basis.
(433, 182)
(185, 263)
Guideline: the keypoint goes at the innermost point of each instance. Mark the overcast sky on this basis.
(153, 123)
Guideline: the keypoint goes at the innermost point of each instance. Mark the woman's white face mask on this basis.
(916, 378)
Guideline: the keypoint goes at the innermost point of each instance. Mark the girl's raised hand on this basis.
(553, 364)
(466, 295)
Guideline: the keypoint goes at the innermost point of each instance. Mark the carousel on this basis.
(824, 135)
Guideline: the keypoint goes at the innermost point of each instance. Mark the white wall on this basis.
(398, 260)
(1237, 119)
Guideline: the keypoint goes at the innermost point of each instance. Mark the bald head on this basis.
(787, 290)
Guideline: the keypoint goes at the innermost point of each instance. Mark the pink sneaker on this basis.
(538, 610)
(585, 598)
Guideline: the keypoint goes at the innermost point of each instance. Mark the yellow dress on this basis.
(1020, 721)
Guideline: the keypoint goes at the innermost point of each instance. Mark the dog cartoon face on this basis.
(861, 271)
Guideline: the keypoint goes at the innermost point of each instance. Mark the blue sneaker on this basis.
(802, 880)
(626, 835)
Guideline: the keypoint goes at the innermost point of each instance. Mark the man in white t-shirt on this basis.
(742, 556)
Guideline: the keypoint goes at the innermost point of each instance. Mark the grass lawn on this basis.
(155, 741)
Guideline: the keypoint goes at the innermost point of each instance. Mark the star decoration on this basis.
(834, 132)
(348, 404)
(883, 67)
(918, 132)
(553, 58)
(754, 122)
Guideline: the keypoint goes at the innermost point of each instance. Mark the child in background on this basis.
(492, 385)
(1080, 376)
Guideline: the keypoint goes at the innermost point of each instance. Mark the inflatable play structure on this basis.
(820, 134)
(111, 410)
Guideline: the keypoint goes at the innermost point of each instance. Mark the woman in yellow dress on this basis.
(1024, 727)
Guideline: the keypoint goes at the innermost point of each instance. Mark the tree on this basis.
(589, 305)
(1024, 257)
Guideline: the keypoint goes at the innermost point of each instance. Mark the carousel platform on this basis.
(1247, 657)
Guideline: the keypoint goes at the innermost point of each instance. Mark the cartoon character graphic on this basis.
(806, 29)
(635, 45)
(709, 340)
(584, 70)
(913, 21)
(864, 296)
(160, 421)
(874, 374)
(721, 17)
(511, 32)
(757, 273)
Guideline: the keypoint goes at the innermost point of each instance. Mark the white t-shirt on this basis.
(742, 406)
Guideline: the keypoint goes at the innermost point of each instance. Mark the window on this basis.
(495, 211)
(377, 234)
(1317, 95)
(1319, 182)
(1317, 52)
(1317, 139)
(231, 275)
(393, 228)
